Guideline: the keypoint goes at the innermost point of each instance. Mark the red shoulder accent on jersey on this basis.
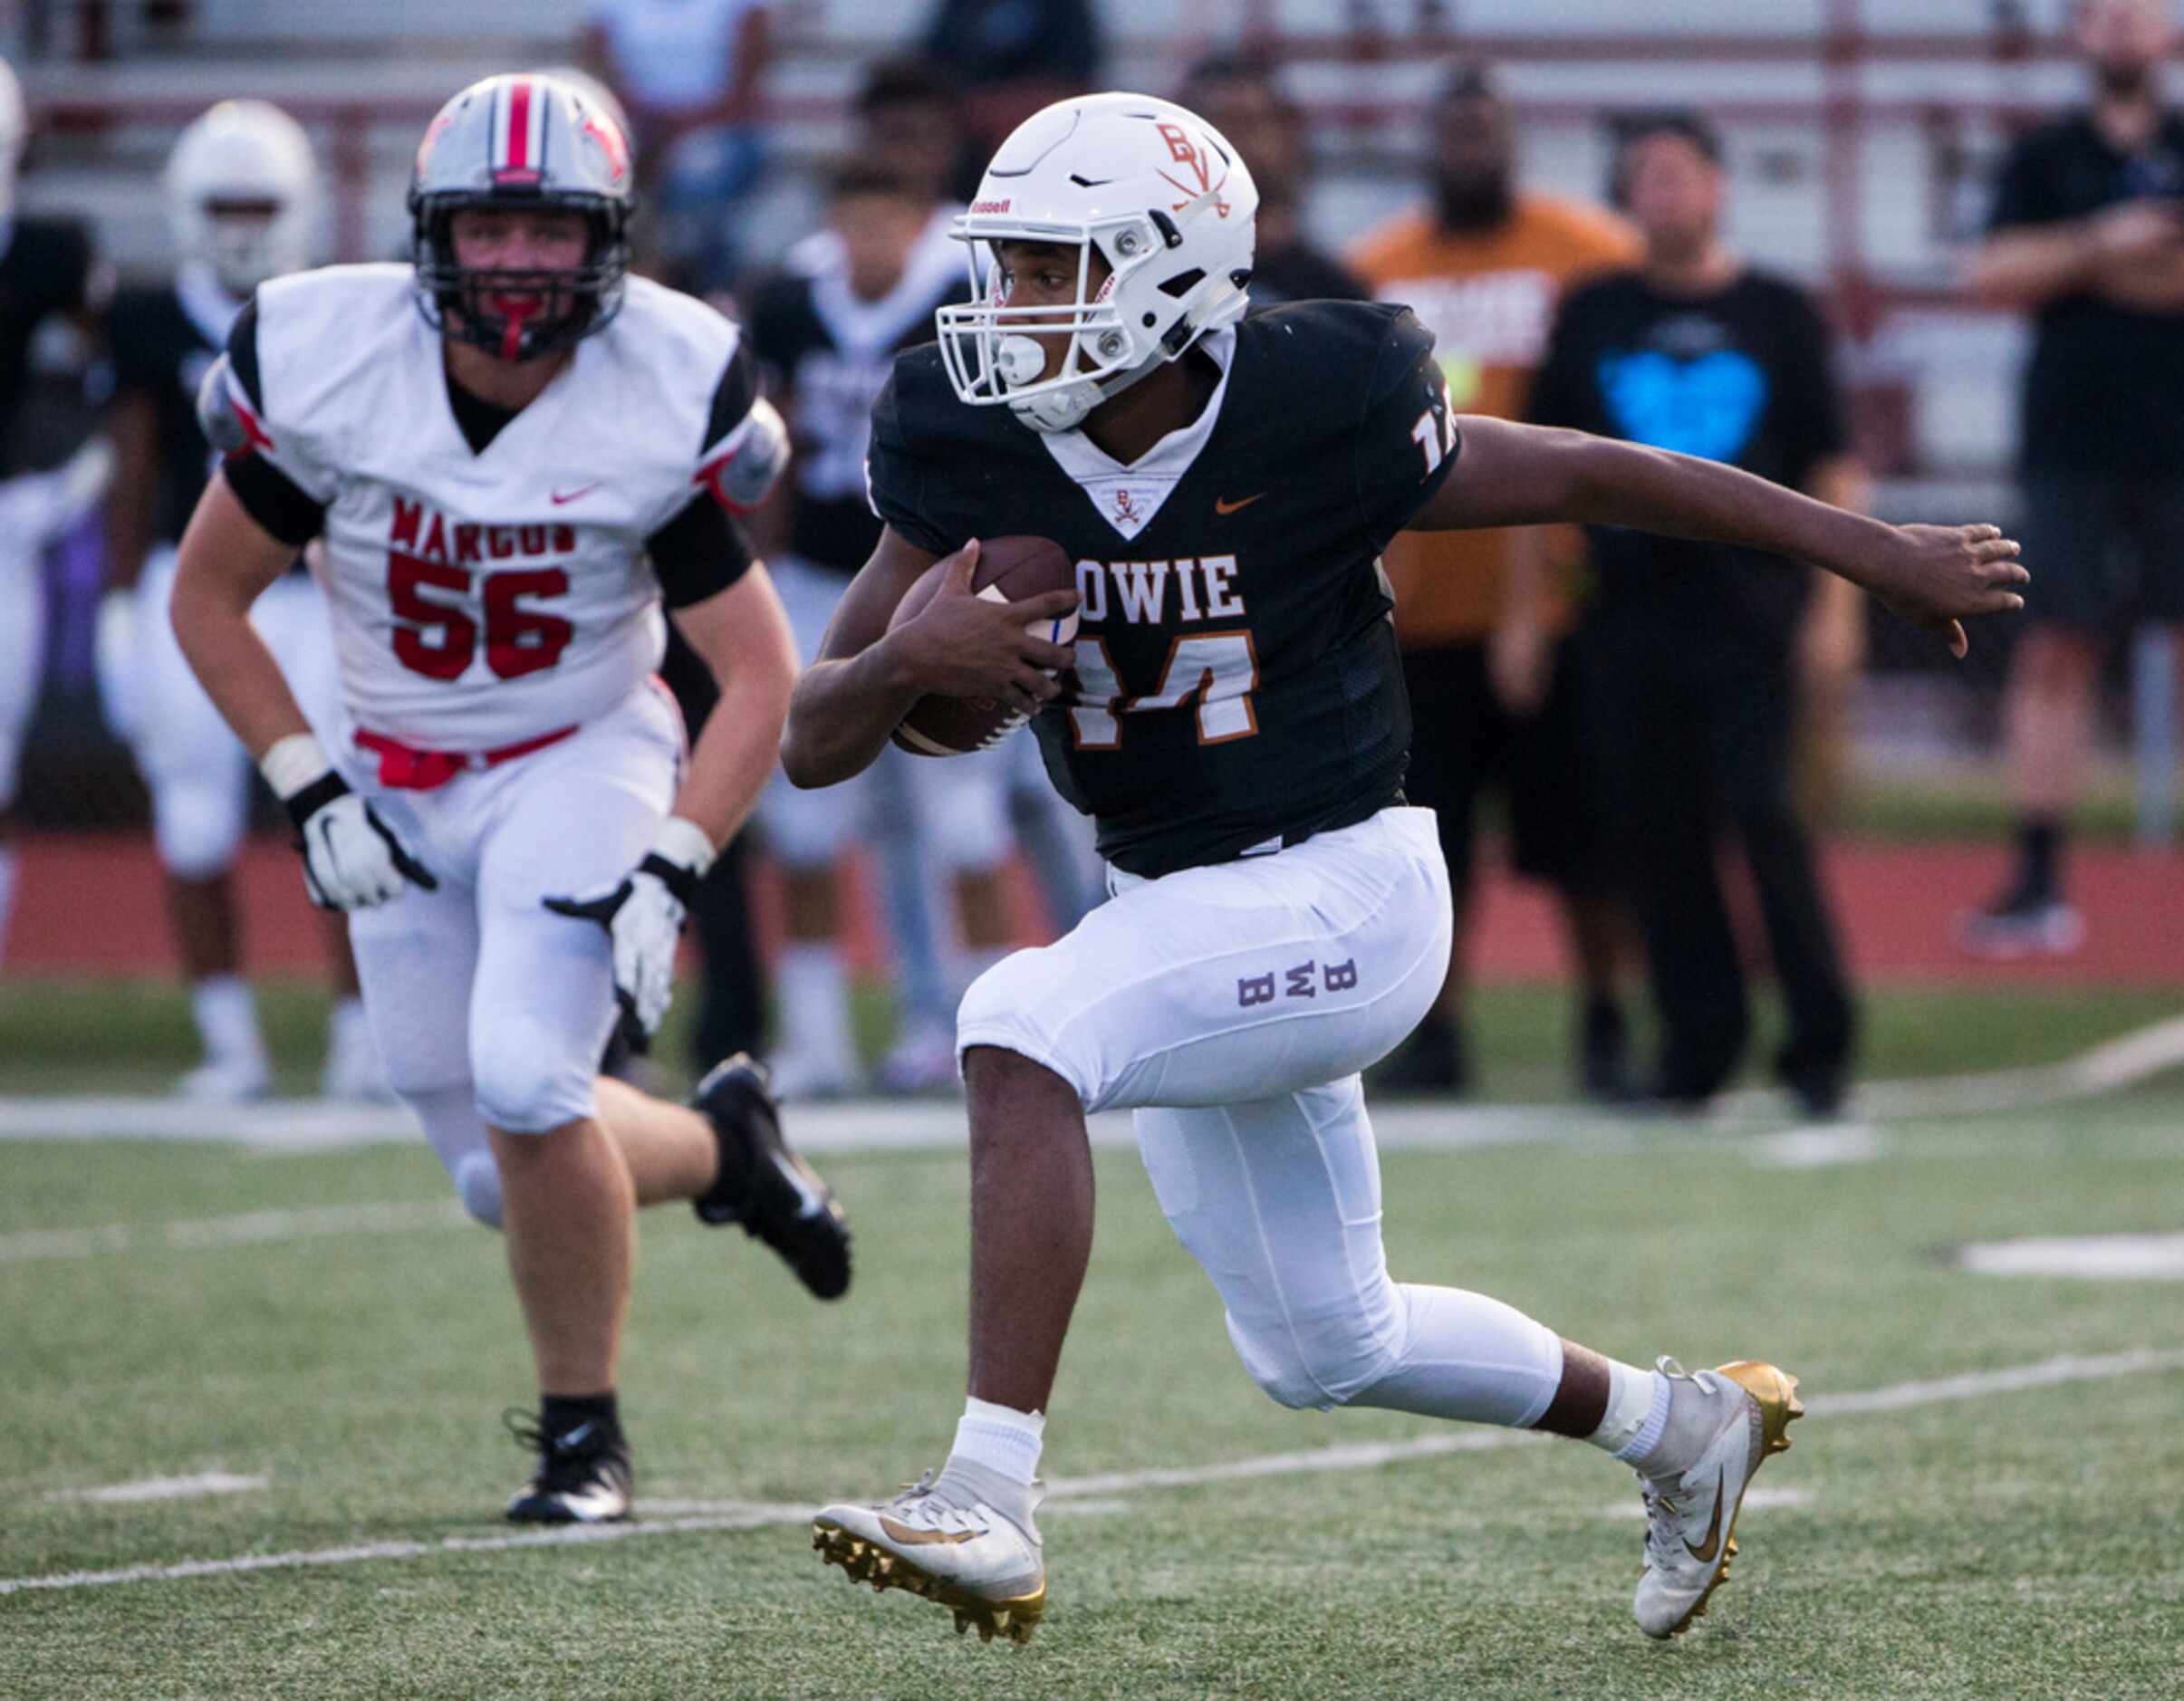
(254, 435)
(710, 478)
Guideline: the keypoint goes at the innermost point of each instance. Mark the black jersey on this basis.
(45, 269)
(162, 346)
(1236, 684)
(827, 356)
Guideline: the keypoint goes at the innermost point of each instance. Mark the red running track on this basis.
(91, 903)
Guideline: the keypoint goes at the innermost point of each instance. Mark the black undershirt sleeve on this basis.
(698, 553)
(268, 496)
(272, 499)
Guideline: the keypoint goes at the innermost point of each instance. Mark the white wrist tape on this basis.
(684, 841)
(292, 763)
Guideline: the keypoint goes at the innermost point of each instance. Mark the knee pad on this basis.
(526, 1078)
(197, 821)
(477, 1183)
(459, 1140)
(1315, 1365)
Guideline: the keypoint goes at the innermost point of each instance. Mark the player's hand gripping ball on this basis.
(1009, 572)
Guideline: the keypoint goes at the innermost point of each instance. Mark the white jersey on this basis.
(480, 599)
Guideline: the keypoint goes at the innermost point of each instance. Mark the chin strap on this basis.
(1066, 409)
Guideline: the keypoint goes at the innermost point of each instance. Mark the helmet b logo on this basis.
(1185, 152)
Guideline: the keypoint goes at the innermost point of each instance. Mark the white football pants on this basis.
(1232, 1007)
(489, 1009)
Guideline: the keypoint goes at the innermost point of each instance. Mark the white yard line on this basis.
(163, 1489)
(244, 1229)
(758, 1514)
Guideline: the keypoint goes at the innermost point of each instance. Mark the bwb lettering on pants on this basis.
(1306, 980)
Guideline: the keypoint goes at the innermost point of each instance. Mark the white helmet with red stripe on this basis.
(528, 142)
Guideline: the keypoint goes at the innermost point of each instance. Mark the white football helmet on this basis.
(243, 194)
(1166, 203)
(14, 131)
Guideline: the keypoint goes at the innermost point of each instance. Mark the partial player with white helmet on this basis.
(242, 204)
(46, 273)
(514, 457)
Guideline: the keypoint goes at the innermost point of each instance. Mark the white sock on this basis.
(1638, 1410)
(815, 1004)
(1001, 1438)
(226, 1014)
(7, 895)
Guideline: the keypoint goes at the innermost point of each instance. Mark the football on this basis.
(1009, 570)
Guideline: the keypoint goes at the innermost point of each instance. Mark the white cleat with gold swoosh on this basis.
(978, 1562)
(1691, 1518)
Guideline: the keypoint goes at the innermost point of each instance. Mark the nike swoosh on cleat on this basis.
(909, 1537)
(1708, 1549)
(1221, 504)
(571, 495)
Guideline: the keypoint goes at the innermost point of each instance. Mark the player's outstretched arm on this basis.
(352, 858)
(227, 559)
(867, 678)
(1517, 474)
(743, 636)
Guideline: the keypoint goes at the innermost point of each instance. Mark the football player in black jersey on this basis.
(243, 197)
(45, 272)
(1233, 716)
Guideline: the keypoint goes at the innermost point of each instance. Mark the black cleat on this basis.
(775, 1196)
(583, 1473)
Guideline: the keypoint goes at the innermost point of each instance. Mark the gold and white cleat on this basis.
(1691, 1518)
(970, 1559)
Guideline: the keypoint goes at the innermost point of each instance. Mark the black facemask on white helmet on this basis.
(527, 142)
(1163, 200)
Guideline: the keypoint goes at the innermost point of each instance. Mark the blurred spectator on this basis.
(46, 284)
(2088, 235)
(688, 72)
(1007, 59)
(904, 112)
(1483, 266)
(1242, 97)
(1691, 650)
(826, 332)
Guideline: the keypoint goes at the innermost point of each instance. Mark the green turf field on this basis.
(2019, 1541)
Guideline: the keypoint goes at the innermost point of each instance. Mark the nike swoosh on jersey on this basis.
(560, 496)
(909, 1537)
(1221, 504)
(1711, 1546)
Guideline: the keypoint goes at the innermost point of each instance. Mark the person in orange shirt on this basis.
(1485, 266)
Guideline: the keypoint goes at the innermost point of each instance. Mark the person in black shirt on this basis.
(2087, 234)
(1692, 650)
(1242, 96)
(1235, 719)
